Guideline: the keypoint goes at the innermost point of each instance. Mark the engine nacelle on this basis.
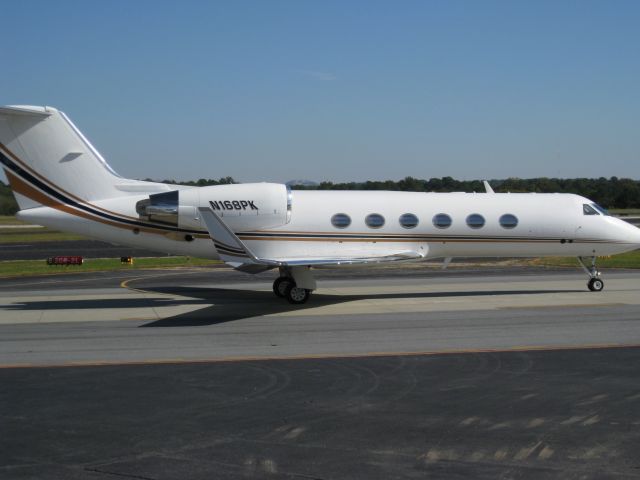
(243, 207)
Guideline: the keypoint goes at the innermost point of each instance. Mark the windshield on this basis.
(600, 209)
(593, 209)
(589, 210)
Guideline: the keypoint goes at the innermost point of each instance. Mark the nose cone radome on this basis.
(624, 234)
(629, 233)
(635, 236)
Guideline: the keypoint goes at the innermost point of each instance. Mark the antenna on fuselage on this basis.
(487, 187)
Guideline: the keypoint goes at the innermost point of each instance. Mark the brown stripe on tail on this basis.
(28, 191)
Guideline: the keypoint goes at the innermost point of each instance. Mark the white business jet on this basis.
(61, 181)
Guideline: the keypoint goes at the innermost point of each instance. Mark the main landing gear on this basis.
(285, 286)
(595, 284)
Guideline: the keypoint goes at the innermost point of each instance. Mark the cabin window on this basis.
(341, 220)
(374, 220)
(508, 221)
(442, 220)
(475, 220)
(408, 220)
(589, 210)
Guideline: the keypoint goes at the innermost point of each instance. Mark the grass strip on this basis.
(10, 220)
(625, 211)
(16, 268)
(623, 260)
(29, 236)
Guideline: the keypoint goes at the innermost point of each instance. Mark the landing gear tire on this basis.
(296, 295)
(595, 285)
(281, 284)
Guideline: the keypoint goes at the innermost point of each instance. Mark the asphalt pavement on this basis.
(386, 373)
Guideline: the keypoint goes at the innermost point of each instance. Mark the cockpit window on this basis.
(589, 210)
(602, 210)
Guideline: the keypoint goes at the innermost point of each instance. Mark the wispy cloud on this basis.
(318, 75)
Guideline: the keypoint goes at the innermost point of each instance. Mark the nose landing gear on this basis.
(595, 284)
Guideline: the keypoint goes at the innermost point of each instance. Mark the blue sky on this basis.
(280, 90)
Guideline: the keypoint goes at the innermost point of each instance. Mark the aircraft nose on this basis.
(628, 233)
(636, 237)
(632, 234)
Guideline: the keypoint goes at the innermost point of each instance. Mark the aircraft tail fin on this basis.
(48, 161)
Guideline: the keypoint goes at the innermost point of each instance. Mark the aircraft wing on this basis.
(234, 252)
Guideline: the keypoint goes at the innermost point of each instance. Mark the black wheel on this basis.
(297, 295)
(280, 286)
(595, 285)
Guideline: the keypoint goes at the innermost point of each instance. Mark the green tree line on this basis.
(610, 192)
(8, 205)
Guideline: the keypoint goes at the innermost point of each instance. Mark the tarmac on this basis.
(385, 373)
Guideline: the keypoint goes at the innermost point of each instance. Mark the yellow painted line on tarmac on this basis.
(125, 283)
(322, 356)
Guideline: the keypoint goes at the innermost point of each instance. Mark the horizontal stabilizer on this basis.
(25, 111)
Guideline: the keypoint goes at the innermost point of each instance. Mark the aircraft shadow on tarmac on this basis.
(221, 305)
(226, 305)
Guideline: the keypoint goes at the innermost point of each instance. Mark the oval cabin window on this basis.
(408, 220)
(374, 220)
(508, 221)
(442, 220)
(475, 220)
(341, 220)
